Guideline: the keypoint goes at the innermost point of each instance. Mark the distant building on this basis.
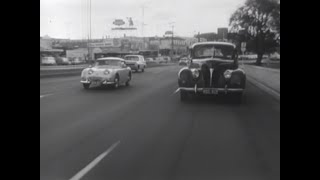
(45, 42)
(222, 33)
(191, 40)
(211, 36)
(80, 53)
(164, 45)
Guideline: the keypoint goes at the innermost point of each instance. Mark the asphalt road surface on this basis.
(144, 132)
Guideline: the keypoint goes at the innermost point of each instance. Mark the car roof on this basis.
(110, 58)
(213, 43)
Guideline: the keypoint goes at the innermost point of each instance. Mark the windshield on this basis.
(108, 63)
(132, 58)
(216, 51)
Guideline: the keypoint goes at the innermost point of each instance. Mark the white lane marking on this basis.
(41, 96)
(177, 91)
(91, 165)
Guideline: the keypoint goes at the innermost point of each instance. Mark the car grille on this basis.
(217, 81)
(95, 79)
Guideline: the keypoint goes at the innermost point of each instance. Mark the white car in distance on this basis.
(48, 61)
(135, 62)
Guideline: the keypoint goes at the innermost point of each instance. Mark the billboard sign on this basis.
(118, 22)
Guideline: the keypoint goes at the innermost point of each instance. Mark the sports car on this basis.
(107, 71)
(213, 70)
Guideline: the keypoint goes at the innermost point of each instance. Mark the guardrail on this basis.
(63, 67)
(67, 70)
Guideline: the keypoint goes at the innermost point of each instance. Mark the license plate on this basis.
(210, 91)
(96, 83)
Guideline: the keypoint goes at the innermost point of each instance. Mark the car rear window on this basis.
(132, 58)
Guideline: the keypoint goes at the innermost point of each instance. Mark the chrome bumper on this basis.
(103, 82)
(200, 90)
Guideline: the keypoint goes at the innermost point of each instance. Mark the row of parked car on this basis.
(159, 60)
(61, 61)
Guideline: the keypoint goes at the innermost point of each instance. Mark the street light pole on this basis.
(172, 40)
(172, 45)
(90, 32)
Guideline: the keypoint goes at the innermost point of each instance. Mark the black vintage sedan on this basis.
(213, 70)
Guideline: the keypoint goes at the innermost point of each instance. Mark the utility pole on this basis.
(88, 29)
(172, 40)
(172, 45)
(143, 24)
(90, 32)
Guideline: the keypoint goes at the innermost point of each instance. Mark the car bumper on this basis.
(133, 66)
(225, 90)
(102, 82)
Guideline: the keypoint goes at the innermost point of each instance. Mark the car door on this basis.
(123, 72)
(142, 61)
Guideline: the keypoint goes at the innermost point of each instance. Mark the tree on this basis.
(260, 20)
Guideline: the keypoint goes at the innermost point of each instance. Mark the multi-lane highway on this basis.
(144, 132)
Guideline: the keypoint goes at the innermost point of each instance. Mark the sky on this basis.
(69, 18)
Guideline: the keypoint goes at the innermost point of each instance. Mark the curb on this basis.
(72, 73)
(264, 68)
(270, 91)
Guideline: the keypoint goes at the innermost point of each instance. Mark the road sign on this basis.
(243, 46)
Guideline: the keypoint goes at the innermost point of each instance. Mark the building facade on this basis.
(164, 45)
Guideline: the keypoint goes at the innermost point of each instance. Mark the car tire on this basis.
(129, 79)
(183, 95)
(116, 82)
(142, 70)
(86, 86)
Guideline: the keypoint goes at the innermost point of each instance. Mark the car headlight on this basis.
(90, 71)
(195, 73)
(227, 74)
(106, 72)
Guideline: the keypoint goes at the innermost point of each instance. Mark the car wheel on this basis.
(183, 95)
(116, 82)
(86, 86)
(142, 70)
(129, 79)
